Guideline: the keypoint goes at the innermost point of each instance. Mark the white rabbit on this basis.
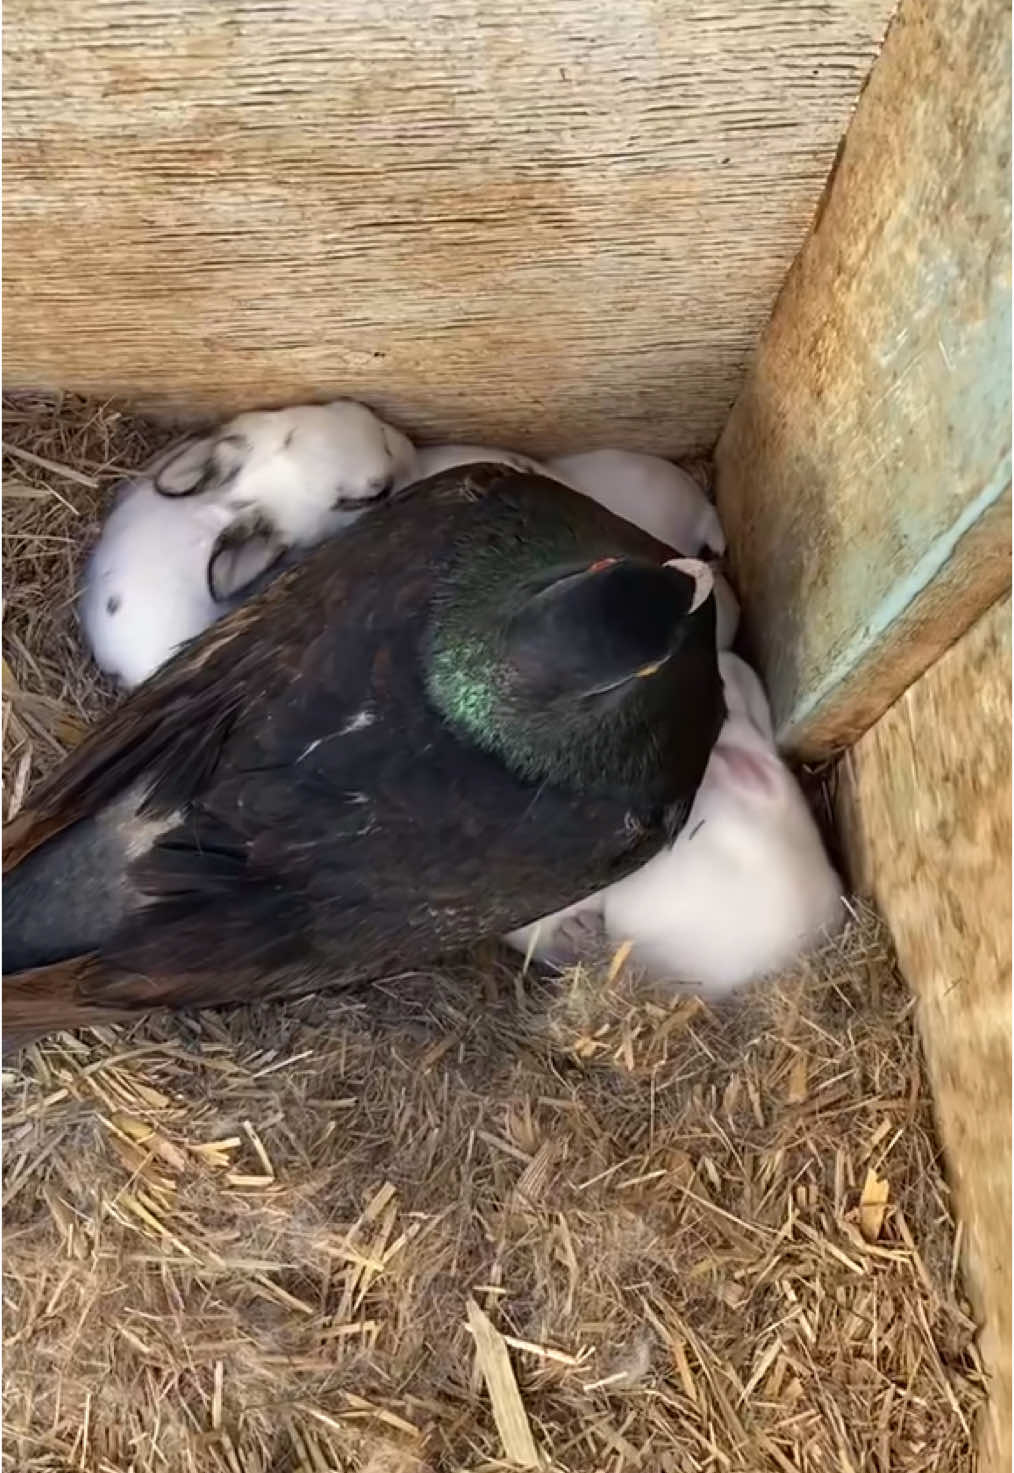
(145, 589)
(726, 612)
(432, 459)
(661, 499)
(308, 469)
(214, 513)
(654, 494)
(746, 888)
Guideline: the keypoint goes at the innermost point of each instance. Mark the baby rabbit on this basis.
(432, 459)
(216, 512)
(652, 493)
(745, 889)
(661, 499)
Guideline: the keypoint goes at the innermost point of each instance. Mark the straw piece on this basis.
(873, 1206)
(54, 467)
(498, 1374)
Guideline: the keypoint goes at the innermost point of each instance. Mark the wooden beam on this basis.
(864, 474)
(925, 810)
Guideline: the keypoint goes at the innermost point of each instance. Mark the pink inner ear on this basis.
(750, 771)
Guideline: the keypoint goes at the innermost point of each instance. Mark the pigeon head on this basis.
(589, 633)
(595, 674)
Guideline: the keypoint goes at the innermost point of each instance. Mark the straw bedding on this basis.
(467, 1220)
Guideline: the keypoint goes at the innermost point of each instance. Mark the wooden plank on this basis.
(925, 809)
(549, 226)
(864, 474)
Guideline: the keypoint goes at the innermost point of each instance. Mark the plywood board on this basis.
(925, 806)
(864, 474)
(551, 226)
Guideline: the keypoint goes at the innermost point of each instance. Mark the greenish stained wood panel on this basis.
(864, 473)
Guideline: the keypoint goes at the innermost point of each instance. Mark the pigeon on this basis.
(662, 499)
(489, 698)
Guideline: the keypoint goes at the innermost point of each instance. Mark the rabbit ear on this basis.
(241, 554)
(199, 463)
(228, 457)
(184, 467)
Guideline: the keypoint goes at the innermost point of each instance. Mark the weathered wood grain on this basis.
(548, 225)
(925, 806)
(864, 474)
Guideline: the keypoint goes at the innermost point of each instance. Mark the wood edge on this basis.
(975, 577)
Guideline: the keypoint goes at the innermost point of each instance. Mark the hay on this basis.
(325, 1235)
(61, 457)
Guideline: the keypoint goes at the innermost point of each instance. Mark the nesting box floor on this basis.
(465, 1214)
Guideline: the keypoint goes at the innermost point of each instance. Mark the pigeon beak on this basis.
(704, 579)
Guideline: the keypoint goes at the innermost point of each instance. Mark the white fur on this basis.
(432, 459)
(338, 452)
(662, 500)
(145, 589)
(652, 493)
(726, 612)
(745, 889)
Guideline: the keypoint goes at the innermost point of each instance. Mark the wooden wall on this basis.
(550, 225)
(925, 809)
(864, 481)
(864, 474)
